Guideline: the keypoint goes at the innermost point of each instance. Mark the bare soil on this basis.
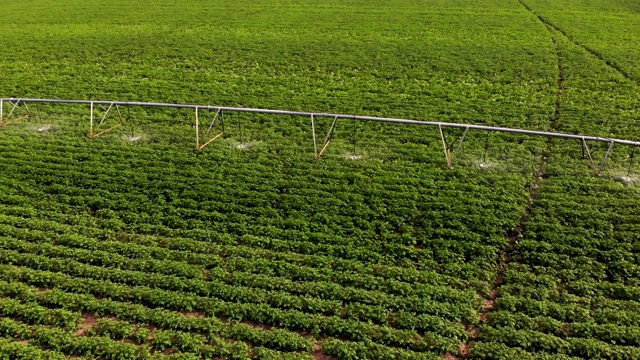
(89, 321)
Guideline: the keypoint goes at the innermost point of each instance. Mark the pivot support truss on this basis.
(327, 138)
(589, 156)
(17, 107)
(111, 108)
(106, 110)
(218, 115)
(449, 152)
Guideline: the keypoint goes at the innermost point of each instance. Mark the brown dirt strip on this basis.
(89, 321)
(591, 51)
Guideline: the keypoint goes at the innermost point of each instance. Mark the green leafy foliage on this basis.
(112, 249)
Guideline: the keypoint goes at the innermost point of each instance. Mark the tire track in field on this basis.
(488, 307)
(609, 63)
(465, 349)
(513, 235)
(553, 121)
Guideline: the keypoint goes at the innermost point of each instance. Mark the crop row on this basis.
(280, 339)
(260, 313)
(252, 179)
(534, 341)
(75, 303)
(390, 279)
(583, 267)
(251, 176)
(602, 310)
(34, 314)
(64, 342)
(201, 347)
(192, 215)
(609, 333)
(519, 281)
(190, 343)
(191, 265)
(160, 339)
(496, 350)
(21, 351)
(437, 251)
(170, 193)
(282, 300)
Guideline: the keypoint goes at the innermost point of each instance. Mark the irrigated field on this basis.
(117, 249)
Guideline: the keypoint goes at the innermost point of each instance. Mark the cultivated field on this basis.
(252, 249)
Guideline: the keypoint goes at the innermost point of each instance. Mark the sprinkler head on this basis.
(626, 179)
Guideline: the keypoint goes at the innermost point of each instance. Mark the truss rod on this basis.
(606, 156)
(105, 114)
(213, 121)
(338, 116)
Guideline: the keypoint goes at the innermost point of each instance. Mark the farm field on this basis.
(252, 249)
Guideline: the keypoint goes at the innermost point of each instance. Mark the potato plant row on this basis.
(353, 311)
(385, 258)
(265, 285)
(211, 327)
(251, 249)
(191, 260)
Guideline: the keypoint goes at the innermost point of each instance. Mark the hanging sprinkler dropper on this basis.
(628, 179)
(633, 150)
(484, 164)
(41, 127)
(131, 137)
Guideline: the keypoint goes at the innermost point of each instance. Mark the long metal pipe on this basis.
(338, 116)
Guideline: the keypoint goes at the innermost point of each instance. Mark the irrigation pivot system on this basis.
(16, 109)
